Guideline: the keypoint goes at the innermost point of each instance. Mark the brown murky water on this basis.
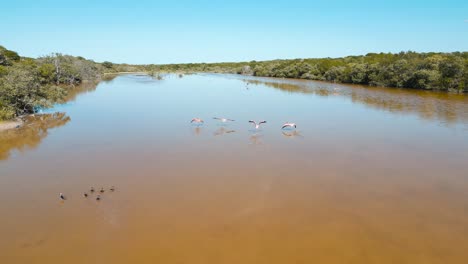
(371, 175)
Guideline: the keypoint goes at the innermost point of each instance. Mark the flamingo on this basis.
(112, 188)
(98, 197)
(92, 189)
(85, 195)
(288, 124)
(257, 125)
(224, 120)
(62, 197)
(197, 120)
(102, 190)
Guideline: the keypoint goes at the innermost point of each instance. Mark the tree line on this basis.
(27, 84)
(430, 71)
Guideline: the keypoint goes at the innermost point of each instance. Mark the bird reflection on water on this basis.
(292, 134)
(196, 130)
(222, 131)
(256, 139)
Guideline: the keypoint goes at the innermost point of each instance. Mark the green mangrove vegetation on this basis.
(28, 84)
(430, 71)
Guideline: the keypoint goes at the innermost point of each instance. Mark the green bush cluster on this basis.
(27, 85)
(8, 57)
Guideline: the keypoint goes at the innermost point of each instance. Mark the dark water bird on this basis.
(85, 195)
(112, 189)
(102, 190)
(98, 197)
(62, 197)
(92, 189)
(197, 120)
(223, 120)
(289, 124)
(257, 125)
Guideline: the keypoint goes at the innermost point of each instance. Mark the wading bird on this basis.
(85, 195)
(257, 125)
(224, 120)
(288, 124)
(197, 120)
(112, 188)
(92, 189)
(62, 197)
(102, 190)
(98, 197)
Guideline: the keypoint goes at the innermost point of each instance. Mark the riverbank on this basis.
(117, 73)
(12, 124)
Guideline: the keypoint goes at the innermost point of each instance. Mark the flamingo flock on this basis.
(223, 120)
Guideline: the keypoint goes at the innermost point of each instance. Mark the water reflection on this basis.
(86, 87)
(445, 107)
(291, 134)
(196, 130)
(30, 135)
(222, 131)
(35, 127)
(256, 138)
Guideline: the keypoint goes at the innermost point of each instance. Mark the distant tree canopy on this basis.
(107, 64)
(431, 71)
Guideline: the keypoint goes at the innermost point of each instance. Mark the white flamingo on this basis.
(289, 124)
(224, 120)
(257, 125)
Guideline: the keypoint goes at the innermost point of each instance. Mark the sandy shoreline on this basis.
(6, 125)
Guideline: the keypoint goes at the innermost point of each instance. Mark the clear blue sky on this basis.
(144, 31)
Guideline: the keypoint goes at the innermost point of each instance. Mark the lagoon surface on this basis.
(371, 175)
